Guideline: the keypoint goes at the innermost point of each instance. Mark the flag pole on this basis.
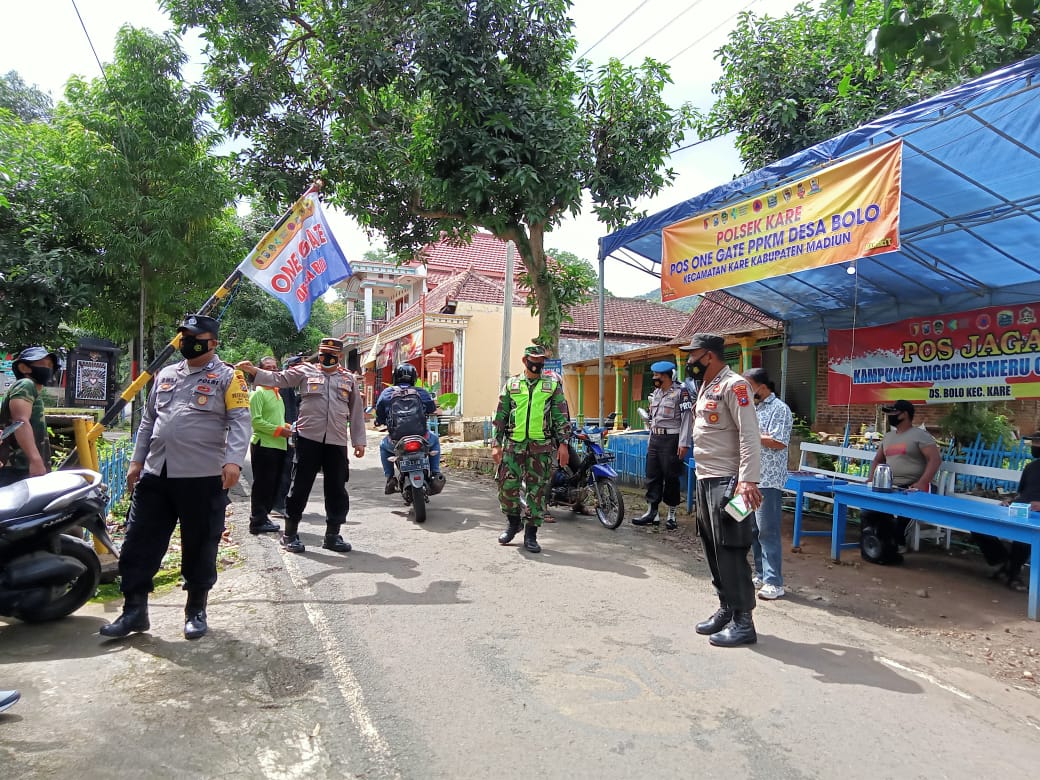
(145, 376)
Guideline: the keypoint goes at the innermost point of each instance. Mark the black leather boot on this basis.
(723, 615)
(195, 625)
(740, 631)
(671, 524)
(336, 543)
(531, 538)
(134, 617)
(290, 540)
(512, 530)
(649, 517)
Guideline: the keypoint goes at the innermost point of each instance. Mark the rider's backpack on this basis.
(407, 416)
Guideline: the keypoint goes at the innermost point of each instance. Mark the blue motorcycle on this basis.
(588, 481)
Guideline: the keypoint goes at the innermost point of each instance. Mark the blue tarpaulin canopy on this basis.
(969, 222)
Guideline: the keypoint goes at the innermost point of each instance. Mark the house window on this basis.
(399, 305)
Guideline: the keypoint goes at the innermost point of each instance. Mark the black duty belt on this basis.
(664, 432)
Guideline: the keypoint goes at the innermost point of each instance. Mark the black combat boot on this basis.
(195, 625)
(290, 540)
(723, 615)
(649, 517)
(531, 538)
(134, 617)
(740, 631)
(671, 523)
(336, 543)
(512, 530)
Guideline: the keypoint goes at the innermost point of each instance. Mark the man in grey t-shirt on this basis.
(913, 456)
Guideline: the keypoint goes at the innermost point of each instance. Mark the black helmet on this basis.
(405, 374)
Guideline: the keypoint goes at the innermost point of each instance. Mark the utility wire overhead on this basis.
(613, 29)
(663, 27)
(710, 32)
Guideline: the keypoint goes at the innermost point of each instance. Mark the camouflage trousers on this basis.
(525, 466)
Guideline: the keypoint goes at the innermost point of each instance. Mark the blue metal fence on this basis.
(1013, 455)
(113, 461)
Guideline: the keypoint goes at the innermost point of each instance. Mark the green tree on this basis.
(149, 194)
(47, 269)
(28, 103)
(949, 34)
(434, 119)
(573, 281)
(790, 82)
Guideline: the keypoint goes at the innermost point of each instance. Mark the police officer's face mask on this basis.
(328, 361)
(193, 347)
(657, 381)
(696, 368)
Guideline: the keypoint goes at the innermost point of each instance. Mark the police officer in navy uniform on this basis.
(671, 409)
(728, 452)
(330, 402)
(191, 444)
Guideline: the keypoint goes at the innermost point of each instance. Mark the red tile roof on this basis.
(485, 254)
(637, 317)
(465, 286)
(721, 313)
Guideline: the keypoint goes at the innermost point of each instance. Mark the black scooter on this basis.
(46, 570)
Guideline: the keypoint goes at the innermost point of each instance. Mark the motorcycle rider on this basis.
(34, 367)
(406, 376)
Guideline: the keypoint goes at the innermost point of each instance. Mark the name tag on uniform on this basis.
(710, 405)
(314, 383)
(204, 389)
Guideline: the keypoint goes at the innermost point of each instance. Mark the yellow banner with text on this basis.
(839, 213)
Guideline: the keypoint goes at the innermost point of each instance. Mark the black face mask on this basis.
(328, 360)
(41, 375)
(534, 368)
(893, 420)
(657, 381)
(1036, 452)
(192, 347)
(696, 368)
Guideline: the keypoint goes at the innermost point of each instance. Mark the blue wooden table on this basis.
(962, 514)
(801, 483)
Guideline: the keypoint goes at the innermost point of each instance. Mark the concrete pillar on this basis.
(747, 344)
(619, 376)
(581, 396)
(368, 310)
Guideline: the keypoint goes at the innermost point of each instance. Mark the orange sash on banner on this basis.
(841, 213)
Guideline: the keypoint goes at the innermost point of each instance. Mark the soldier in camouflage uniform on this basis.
(531, 421)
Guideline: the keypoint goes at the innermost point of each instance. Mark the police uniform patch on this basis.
(741, 391)
(713, 418)
(202, 400)
(204, 389)
(710, 405)
(211, 376)
(165, 386)
(237, 395)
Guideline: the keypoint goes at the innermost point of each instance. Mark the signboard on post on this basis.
(840, 213)
(990, 354)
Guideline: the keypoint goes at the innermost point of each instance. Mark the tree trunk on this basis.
(531, 246)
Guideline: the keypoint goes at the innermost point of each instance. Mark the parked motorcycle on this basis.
(47, 573)
(588, 480)
(411, 462)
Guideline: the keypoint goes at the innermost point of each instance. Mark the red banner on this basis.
(990, 354)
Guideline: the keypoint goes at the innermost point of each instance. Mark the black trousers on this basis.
(726, 544)
(286, 478)
(158, 502)
(662, 469)
(267, 474)
(310, 458)
(996, 551)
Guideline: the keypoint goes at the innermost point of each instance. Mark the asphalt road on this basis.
(430, 651)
